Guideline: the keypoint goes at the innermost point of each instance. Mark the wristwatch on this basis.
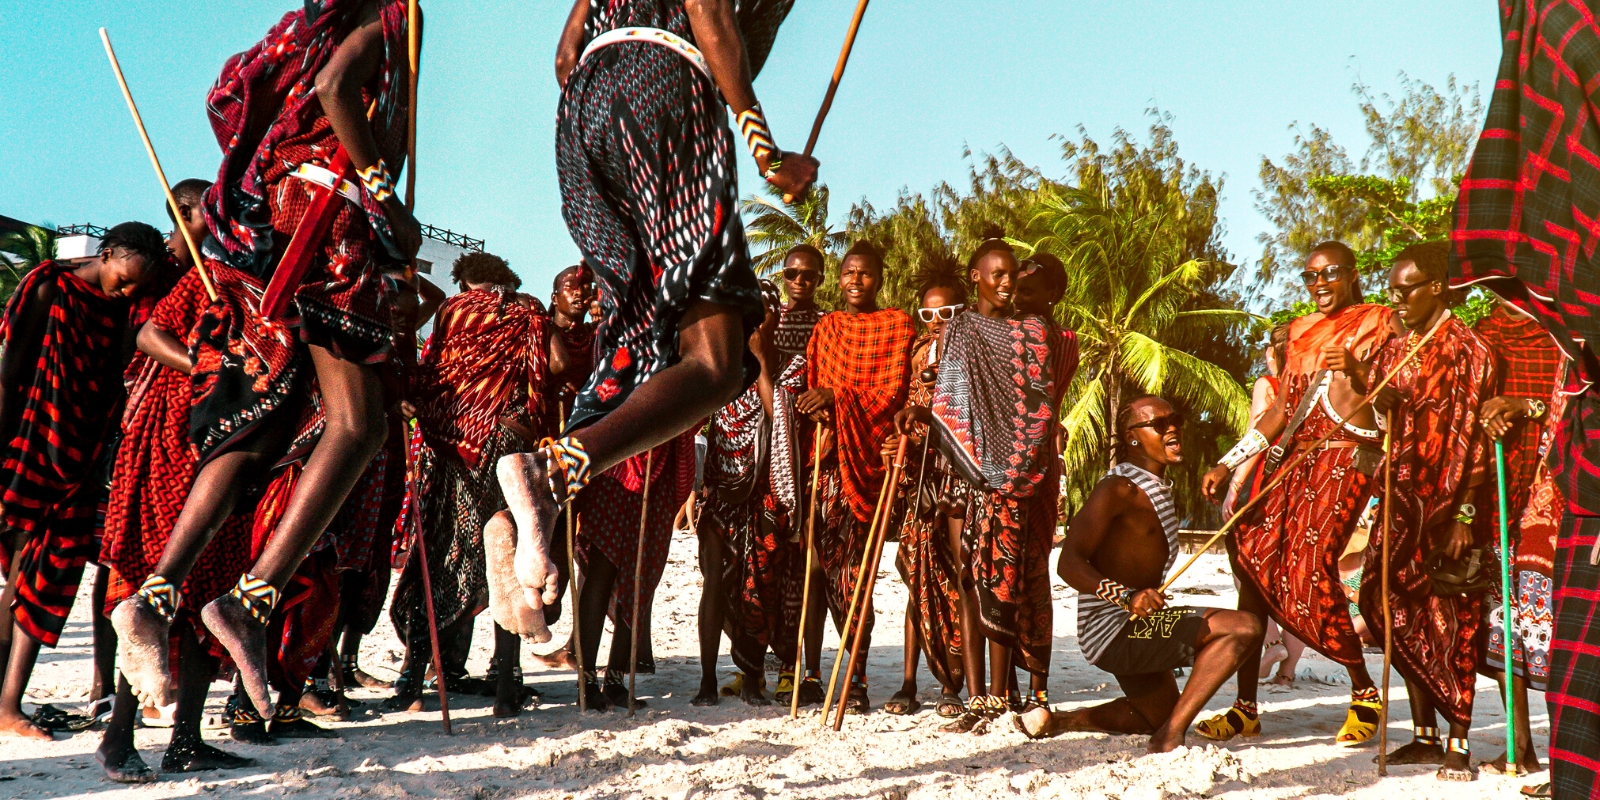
(1466, 513)
(1536, 409)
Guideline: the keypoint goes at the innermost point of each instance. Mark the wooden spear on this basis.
(833, 84)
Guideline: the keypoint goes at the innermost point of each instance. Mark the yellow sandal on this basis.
(1357, 731)
(1228, 724)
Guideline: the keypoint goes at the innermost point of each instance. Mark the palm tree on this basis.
(20, 252)
(778, 227)
(1135, 298)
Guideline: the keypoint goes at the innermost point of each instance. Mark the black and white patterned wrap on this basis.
(1100, 621)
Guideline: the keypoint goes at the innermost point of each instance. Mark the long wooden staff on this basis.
(1388, 626)
(833, 84)
(414, 48)
(172, 202)
(1283, 471)
(860, 600)
(638, 580)
(433, 628)
(805, 592)
(572, 580)
(874, 544)
(1505, 607)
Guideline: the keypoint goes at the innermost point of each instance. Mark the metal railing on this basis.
(81, 230)
(452, 238)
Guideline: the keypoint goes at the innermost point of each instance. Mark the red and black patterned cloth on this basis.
(994, 416)
(1524, 228)
(486, 360)
(609, 511)
(154, 468)
(1288, 546)
(69, 397)
(1439, 450)
(1529, 363)
(649, 190)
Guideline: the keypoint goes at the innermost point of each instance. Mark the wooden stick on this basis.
(874, 544)
(414, 47)
(638, 580)
(433, 628)
(861, 594)
(1388, 626)
(833, 84)
(855, 597)
(1285, 469)
(172, 202)
(1505, 609)
(572, 581)
(805, 592)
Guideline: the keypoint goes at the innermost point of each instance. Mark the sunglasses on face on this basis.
(1165, 422)
(945, 313)
(1327, 274)
(794, 273)
(1399, 294)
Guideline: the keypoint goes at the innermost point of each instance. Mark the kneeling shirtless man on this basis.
(1114, 545)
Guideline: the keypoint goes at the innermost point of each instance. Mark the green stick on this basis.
(1505, 608)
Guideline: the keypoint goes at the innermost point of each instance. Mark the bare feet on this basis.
(355, 675)
(1457, 767)
(125, 766)
(142, 650)
(525, 483)
(1281, 680)
(1167, 740)
(245, 640)
(1527, 763)
(1270, 657)
(751, 692)
(18, 725)
(507, 603)
(1036, 722)
(197, 756)
(559, 659)
(1416, 753)
(709, 694)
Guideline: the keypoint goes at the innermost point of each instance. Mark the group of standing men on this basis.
(265, 463)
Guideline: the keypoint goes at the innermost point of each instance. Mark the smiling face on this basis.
(802, 273)
(860, 277)
(939, 297)
(1333, 285)
(1153, 432)
(996, 278)
(1417, 300)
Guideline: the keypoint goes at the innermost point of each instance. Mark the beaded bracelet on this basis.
(753, 125)
(1114, 593)
(379, 183)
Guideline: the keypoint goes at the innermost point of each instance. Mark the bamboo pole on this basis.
(833, 84)
(805, 592)
(166, 188)
(638, 581)
(870, 579)
(1388, 626)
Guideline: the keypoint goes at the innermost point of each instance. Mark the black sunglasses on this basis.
(794, 273)
(1328, 274)
(1164, 422)
(1398, 294)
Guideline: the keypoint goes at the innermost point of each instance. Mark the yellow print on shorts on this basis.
(1158, 625)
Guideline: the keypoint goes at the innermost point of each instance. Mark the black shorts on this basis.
(1154, 645)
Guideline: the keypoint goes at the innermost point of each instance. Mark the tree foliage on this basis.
(776, 227)
(20, 252)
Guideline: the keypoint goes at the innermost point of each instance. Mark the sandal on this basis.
(1537, 790)
(856, 701)
(785, 691)
(51, 719)
(734, 688)
(1360, 723)
(902, 703)
(980, 710)
(1235, 721)
(950, 705)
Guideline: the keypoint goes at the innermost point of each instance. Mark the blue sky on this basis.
(927, 80)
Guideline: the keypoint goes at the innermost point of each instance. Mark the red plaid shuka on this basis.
(1524, 227)
(1438, 449)
(485, 360)
(1529, 362)
(865, 359)
(69, 397)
